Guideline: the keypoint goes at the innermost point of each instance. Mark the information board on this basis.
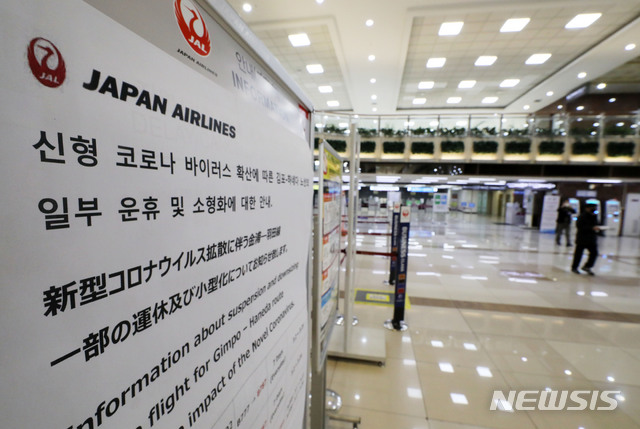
(550, 206)
(155, 223)
(327, 245)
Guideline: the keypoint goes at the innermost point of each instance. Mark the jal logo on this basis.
(46, 62)
(405, 212)
(193, 27)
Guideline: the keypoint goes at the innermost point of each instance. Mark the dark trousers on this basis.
(563, 227)
(577, 256)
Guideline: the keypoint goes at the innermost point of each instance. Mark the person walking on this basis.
(586, 238)
(563, 222)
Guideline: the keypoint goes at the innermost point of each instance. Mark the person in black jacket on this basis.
(586, 238)
(563, 222)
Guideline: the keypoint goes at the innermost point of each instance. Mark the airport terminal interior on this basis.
(492, 304)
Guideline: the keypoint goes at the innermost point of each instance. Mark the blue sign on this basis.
(401, 269)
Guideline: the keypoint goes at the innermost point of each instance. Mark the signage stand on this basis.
(348, 342)
(398, 323)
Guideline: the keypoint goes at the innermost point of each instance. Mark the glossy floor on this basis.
(495, 307)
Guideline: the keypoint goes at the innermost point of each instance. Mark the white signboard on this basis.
(550, 206)
(440, 203)
(155, 226)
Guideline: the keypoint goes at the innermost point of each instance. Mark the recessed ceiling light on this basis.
(319, 1)
(374, 109)
(612, 100)
(583, 20)
(450, 28)
(372, 80)
(333, 103)
(369, 23)
(315, 68)
(433, 63)
(465, 84)
(486, 60)
(459, 398)
(601, 85)
(247, 7)
(580, 108)
(374, 97)
(630, 47)
(582, 75)
(454, 100)
(537, 59)
(489, 100)
(514, 24)
(526, 107)
(326, 89)
(549, 93)
(426, 84)
(371, 57)
(419, 100)
(509, 83)
(300, 39)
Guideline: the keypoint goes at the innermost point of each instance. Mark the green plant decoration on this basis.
(551, 147)
(485, 146)
(422, 148)
(367, 147)
(585, 148)
(316, 142)
(367, 132)
(338, 145)
(449, 146)
(517, 147)
(419, 131)
(614, 130)
(387, 132)
(332, 129)
(393, 147)
(616, 149)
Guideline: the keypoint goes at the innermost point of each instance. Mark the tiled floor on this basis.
(495, 307)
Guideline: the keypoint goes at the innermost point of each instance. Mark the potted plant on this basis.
(338, 145)
(551, 147)
(620, 149)
(393, 147)
(585, 148)
(515, 147)
(449, 146)
(367, 146)
(485, 147)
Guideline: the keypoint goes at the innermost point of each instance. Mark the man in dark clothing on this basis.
(563, 222)
(586, 238)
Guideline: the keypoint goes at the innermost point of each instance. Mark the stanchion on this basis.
(393, 262)
(398, 323)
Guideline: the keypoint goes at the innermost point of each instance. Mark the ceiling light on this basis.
(489, 100)
(333, 103)
(450, 28)
(437, 343)
(465, 84)
(459, 398)
(580, 108)
(433, 63)
(300, 39)
(325, 89)
(454, 100)
(315, 68)
(509, 83)
(560, 106)
(483, 371)
(549, 93)
(419, 100)
(369, 23)
(371, 57)
(526, 107)
(485, 60)
(374, 97)
(372, 80)
(582, 75)
(374, 109)
(470, 346)
(445, 367)
(612, 100)
(601, 85)
(426, 84)
(537, 59)
(247, 7)
(630, 47)
(514, 24)
(583, 20)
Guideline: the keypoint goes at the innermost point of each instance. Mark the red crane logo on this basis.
(46, 62)
(193, 28)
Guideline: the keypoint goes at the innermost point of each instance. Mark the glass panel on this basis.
(454, 126)
(485, 126)
(393, 126)
(584, 127)
(620, 126)
(516, 126)
(424, 126)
